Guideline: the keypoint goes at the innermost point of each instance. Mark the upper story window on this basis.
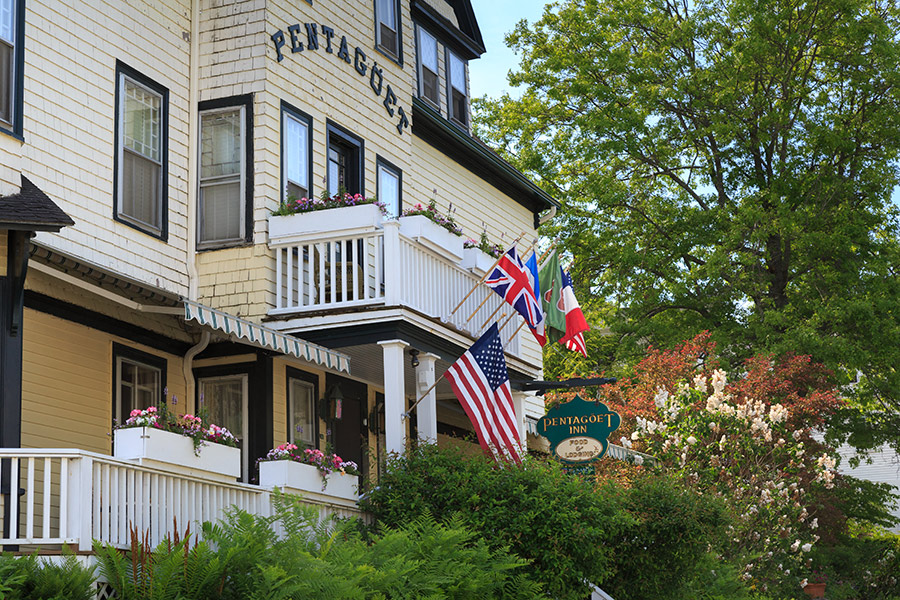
(458, 96)
(389, 178)
(11, 64)
(428, 68)
(344, 161)
(141, 148)
(222, 214)
(295, 154)
(387, 23)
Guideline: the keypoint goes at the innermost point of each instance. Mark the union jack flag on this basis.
(510, 280)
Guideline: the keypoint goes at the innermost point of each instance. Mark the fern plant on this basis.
(34, 578)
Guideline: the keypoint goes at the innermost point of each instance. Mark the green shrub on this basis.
(631, 542)
(243, 558)
(861, 566)
(34, 578)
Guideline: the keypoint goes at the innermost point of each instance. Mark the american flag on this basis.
(481, 382)
(510, 279)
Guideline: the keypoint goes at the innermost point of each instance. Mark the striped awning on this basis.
(263, 337)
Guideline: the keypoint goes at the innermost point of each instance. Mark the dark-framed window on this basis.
(225, 400)
(12, 61)
(388, 34)
(141, 158)
(457, 90)
(389, 181)
(296, 153)
(139, 380)
(427, 67)
(225, 199)
(344, 161)
(302, 390)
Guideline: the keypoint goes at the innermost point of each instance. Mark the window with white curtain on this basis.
(8, 54)
(141, 152)
(222, 176)
(457, 89)
(428, 68)
(387, 18)
(139, 380)
(295, 154)
(224, 400)
(301, 412)
(389, 187)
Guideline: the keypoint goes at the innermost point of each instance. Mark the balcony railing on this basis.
(383, 267)
(73, 497)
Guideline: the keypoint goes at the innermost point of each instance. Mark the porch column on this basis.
(519, 399)
(426, 411)
(394, 395)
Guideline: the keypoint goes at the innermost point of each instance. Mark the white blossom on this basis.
(638, 459)
(806, 547)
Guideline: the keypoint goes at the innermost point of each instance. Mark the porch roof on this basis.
(264, 337)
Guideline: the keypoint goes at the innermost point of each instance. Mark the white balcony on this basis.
(390, 264)
(73, 497)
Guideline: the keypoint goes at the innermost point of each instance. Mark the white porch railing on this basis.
(384, 268)
(73, 497)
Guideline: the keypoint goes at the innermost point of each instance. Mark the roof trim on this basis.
(31, 210)
(460, 41)
(477, 158)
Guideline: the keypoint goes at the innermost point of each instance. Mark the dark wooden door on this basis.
(348, 435)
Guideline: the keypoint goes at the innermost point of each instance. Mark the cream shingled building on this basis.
(146, 144)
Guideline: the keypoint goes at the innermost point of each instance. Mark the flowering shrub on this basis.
(325, 463)
(187, 425)
(485, 245)
(446, 221)
(748, 452)
(294, 205)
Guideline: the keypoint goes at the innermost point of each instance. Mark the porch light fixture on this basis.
(414, 358)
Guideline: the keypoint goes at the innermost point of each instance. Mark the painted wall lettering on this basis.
(358, 61)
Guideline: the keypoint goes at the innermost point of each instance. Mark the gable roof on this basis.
(464, 36)
(31, 210)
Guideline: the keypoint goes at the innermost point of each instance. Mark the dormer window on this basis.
(387, 23)
(428, 68)
(458, 97)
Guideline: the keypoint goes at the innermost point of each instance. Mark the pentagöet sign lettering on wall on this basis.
(306, 39)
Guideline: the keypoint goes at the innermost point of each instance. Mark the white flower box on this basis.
(306, 478)
(157, 448)
(346, 220)
(476, 260)
(433, 236)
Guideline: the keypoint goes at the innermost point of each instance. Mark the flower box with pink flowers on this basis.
(155, 438)
(310, 471)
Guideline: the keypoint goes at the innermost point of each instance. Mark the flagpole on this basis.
(416, 403)
(483, 277)
(488, 320)
(475, 312)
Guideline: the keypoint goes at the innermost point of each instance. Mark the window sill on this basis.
(398, 60)
(160, 234)
(212, 246)
(11, 133)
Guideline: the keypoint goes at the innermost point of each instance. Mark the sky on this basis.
(496, 18)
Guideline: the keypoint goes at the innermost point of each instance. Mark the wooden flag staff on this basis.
(436, 381)
(483, 277)
(475, 312)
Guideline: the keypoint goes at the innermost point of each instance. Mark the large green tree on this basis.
(724, 165)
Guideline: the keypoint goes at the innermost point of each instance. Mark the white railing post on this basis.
(393, 268)
(78, 506)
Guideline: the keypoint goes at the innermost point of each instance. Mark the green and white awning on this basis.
(263, 337)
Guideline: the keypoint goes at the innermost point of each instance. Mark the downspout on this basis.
(548, 216)
(188, 367)
(193, 159)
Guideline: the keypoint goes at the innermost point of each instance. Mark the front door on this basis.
(346, 405)
(224, 399)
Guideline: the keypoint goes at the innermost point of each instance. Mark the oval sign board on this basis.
(578, 449)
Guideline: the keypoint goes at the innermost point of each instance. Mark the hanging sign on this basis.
(578, 430)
